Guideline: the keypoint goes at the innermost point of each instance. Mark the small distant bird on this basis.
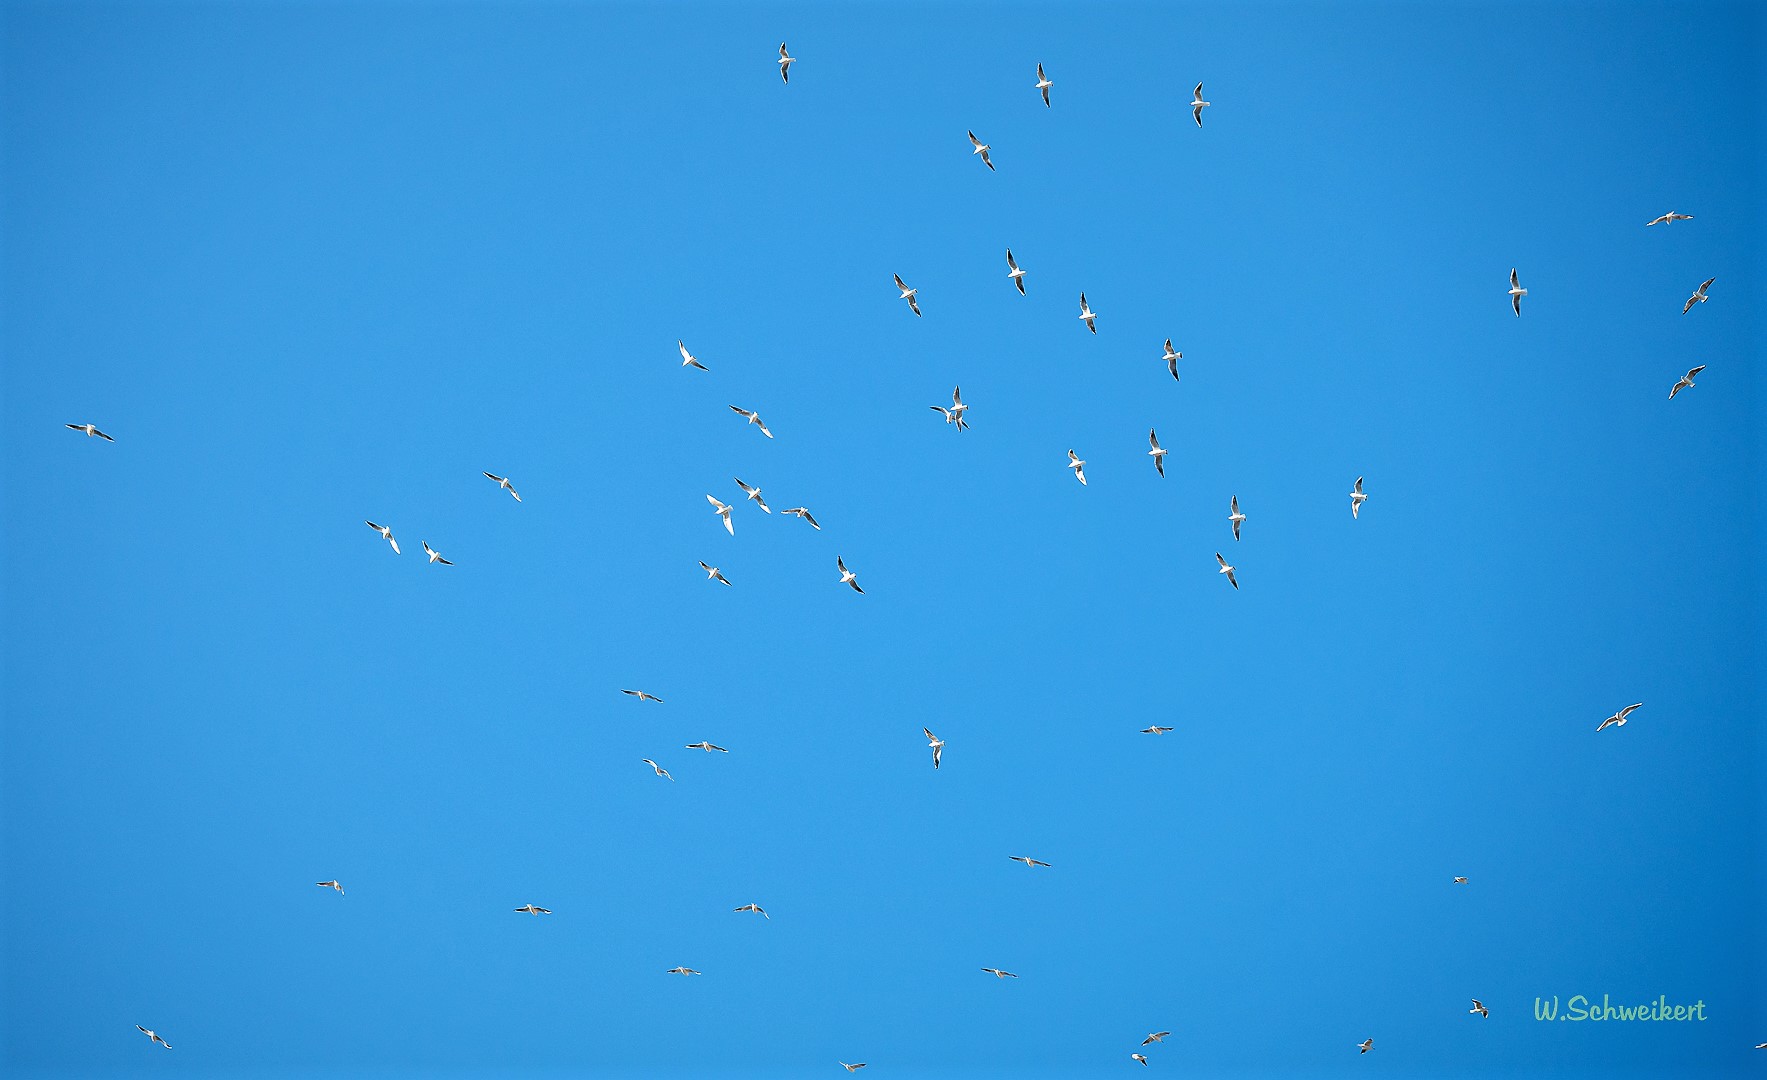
(936, 743)
(660, 771)
(330, 885)
(707, 747)
(1619, 718)
(153, 1036)
(1088, 315)
(847, 576)
(1357, 498)
(713, 573)
(1516, 292)
(503, 482)
(1157, 1036)
(982, 149)
(642, 696)
(1027, 860)
(1460, 881)
(1197, 105)
(1366, 1045)
(1235, 516)
(753, 418)
(1043, 84)
(530, 909)
(1155, 730)
(803, 512)
(682, 971)
(855, 1067)
(688, 359)
(1076, 463)
(908, 295)
(1761, 1046)
(1013, 272)
(786, 60)
(433, 556)
(1158, 453)
(1171, 358)
(954, 415)
(998, 974)
(1668, 219)
(1699, 295)
(92, 431)
(756, 908)
(1479, 1007)
(1228, 570)
(1685, 381)
(1140, 1057)
(723, 511)
(385, 534)
(754, 494)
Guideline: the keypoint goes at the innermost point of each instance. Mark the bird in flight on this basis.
(847, 576)
(1043, 84)
(1157, 1036)
(936, 743)
(786, 60)
(660, 771)
(1235, 516)
(855, 1067)
(1366, 1045)
(1669, 218)
(154, 1036)
(1460, 881)
(954, 415)
(1699, 295)
(1078, 465)
(1479, 1007)
(1171, 358)
(385, 534)
(1685, 381)
(688, 359)
(713, 573)
(503, 482)
(908, 295)
(1140, 1057)
(754, 494)
(91, 430)
(982, 149)
(530, 909)
(1158, 453)
(1013, 272)
(642, 696)
(1619, 718)
(1228, 570)
(1357, 498)
(753, 418)
(330, 885)
(707, 747)
(434, 556)
(756, 908)
(803, 512)
(1197, 105)
(1027, 860)
(998, 974)
(1087, 314)
(682, 971)
(1155, 730)
(723, 511)
(1516, 292)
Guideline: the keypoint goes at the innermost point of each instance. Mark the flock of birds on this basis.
(954, 414)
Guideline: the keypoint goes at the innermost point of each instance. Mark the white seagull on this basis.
(1357, 498)
(1027, 860)
(1365, 1045)
(936, 743)
(1226, 569)
(1235, 516)
(1154, 730)
(754, 494)
(530, 909)
(1479, 1007)
(982, 149)
(723, 511)
(706, 746)
(1078, 465)
(1171, 358)
(688, 359)
(786, 60)
(330, 885)
(803, 512)
(1086, 313)
(954, 415)
(682, 971)
(998, 974)
(1043, 84)
(713, 573)
(753, 418)
(642, 696)
(1013, 272)
(1668, 219)
(152, 1035)
(503, 482)
(756, 908)
(1699, 295)
(1158, 1036)
(1516, 292)
(1460, 881)
(434, 556)
(847, 576)
(1158, 453)
(1619, 718)
(908, 294)
(385, 534)
(660, 771)
(1685, 381)
(1197, 105)
(1140, 1057)
(91, 431)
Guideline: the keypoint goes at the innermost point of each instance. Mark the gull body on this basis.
(908, 295)
(723, 511)
(434, 557)
(330, 885)
(1171, 358)
(1516, 292)
(982, 149)
(93, 432)
(936, 743)
(642, 696)
(1699, 295)
(1668, 219)
(754, 494)
(756, 908)
(847, 576)
(1027, 860)
(1157, 1036)
(1013, 272)
(1685, 381)
(1357, 498)
(753, 418)
(1155, 730)
(682, 971)
(786, 60)
(1140, 1057)
(1234, 516)
(530, 909)
(687, 358)
(1228, 570)
(660, 771)
(803, 512)
(707, 747)
(503, 482)
(1043, 84)
(385, 534)
(1197, 105)
(1158, 453)
(1076, 463)
(713, 573)
(153, 1036)
(998, 974)
(1087, 314)
(1619, 718)
(1479, 1007)
(1460, 881)
(1365, 1045)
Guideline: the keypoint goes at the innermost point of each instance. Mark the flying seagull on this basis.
(707, 747)
(92, 430)
(1479, 1007)
(1669, 218)
(803, 512)
(154, 1036)
(1171, 358)
(1013, 272)
(1155, 730)
(1699, 295)
(756, 908)
(530, 909)
(642, 696)
(1043, 84)
(1087, 314)
(330, 885)
(1140, 1057)
(1027, 860)
(1157, 1036)
(434, 556)
(1197, 105)
(1516, 292)
(385, 534)
(786, 60)
(1365, 1045)
(998, 974)
(660, 771)
(1357, 498)
(753, 418)
(754, 494)
(855, 1067)
(1685, 381)
(1157, 453)
(1619, 718)
(908, 294)
(713, 573)
(1460, 881)
(682, 971)
(847, 576)
(936, 743)
(688, 359)
(982, 149)
(1235, 516)
(1078, 465)
(503, 482)
(1228, 570)
(723, 511)
(954, 415)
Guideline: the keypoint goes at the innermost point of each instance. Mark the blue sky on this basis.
(311, 264)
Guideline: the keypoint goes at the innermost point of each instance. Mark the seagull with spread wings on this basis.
(707, 747)
(1140, 1057)
(847, 576)
(908, 294)
(936, 743)
(1516, 292)
(687, 358)
(1234, 516)
(1088, 315)
(1226, 569)
(1699, 295)
(1479, 1007)
(503, 482)
(92, 431)
(1013, 272)
(753, 418)
(756, 908)
(642, 696)
(1158, 1036)
(1155, 730)
(1365, 1045)
(1158, 453)
(153, 1036)
(1197, 105)
(385, 534)
(1078, 464)
(330, 885)
(998, 974)
(981, 148)
(1171, 358)
(1357, 498)
(1027, 860)
(723, 511)
(954, 415)
(434, 557)
(713, 573)
(1043, 84)
(1685, 381)
(660, 771)
(1619, 718)
(803, 512)
(682, 971)
(1668, 219)
(530, 909)
(786, 60)
(754, 494)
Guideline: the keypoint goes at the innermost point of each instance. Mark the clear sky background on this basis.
(311, 264)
